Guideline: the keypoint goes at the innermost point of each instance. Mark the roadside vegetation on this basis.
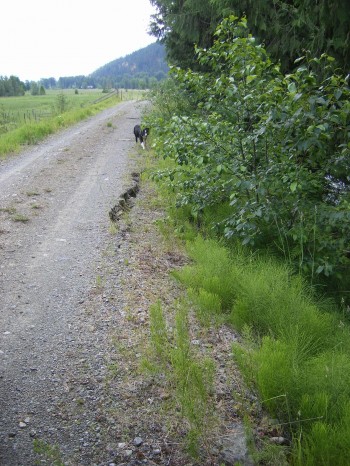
(28, 119)
(254, 164)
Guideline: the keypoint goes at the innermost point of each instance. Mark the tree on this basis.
(34, 88)
(288, 28)
(270, 148)
(11, 86)
(181, 24)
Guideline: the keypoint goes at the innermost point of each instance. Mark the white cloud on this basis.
(41, 40)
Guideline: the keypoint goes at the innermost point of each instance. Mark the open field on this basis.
(27, 119)
(15, 111)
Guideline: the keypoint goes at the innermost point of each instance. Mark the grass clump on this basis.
(214, 275)
(295, 349)
(49, 454)
(190, 376)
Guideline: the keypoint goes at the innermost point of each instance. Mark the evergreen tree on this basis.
(288, 28)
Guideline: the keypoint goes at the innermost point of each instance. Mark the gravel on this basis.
(75, 295)
(54, 228)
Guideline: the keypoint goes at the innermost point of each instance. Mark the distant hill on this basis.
(138, 70)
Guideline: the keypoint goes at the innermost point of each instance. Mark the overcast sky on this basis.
(43, 38)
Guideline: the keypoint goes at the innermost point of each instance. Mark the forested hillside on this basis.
(139, 70)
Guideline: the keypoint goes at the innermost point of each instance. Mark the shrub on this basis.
(273, 147)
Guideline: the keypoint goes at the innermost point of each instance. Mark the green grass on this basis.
(29, 119)
(48, 454)
(188, 375)
(296, 354)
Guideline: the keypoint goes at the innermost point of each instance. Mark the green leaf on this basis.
(292, 88)
(251, 78)
(293, 186)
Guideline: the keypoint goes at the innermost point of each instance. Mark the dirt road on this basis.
(54, 201)
(75, 296)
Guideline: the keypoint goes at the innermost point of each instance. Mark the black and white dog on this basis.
(141, 134)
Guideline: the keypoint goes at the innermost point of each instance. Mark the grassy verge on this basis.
(190, 376)
(294, 350)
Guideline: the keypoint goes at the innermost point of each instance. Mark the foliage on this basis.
(11, 86)
(274, 147)
(61, 104)
(288, 28)
(295, 349)
(181, 24)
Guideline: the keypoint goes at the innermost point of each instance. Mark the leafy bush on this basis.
(273, 147)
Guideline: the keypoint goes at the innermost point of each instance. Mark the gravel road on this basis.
(54, 205)
(75, 294)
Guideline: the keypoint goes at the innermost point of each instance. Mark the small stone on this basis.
(127, 453)
(279, 440)
(121, 445)
(138, 441)
(22, 425)
(157, 451)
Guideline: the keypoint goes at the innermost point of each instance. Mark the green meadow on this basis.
(28, 119)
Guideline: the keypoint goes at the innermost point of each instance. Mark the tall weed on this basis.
(213, 271)
(296, 350)
(190, 375)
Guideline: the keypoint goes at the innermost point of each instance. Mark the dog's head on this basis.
(145, 133)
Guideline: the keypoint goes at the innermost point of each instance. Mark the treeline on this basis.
(142, 69)
(12, 86)
(288, 28)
